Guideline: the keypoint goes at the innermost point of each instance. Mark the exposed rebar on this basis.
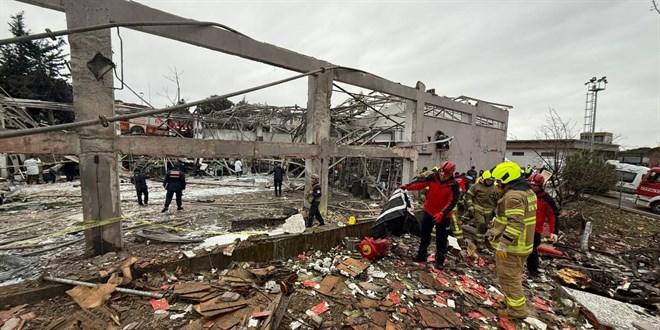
(102, 119)
(91, 285)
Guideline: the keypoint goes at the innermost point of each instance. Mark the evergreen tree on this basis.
(587, 172)
(35, 70)
(218, 105)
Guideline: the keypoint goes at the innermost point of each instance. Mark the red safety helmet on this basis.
(536, 179)
(446, 169)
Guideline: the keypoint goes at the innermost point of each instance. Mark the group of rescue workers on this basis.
(513, 198)
(175, 183)
(518, 206)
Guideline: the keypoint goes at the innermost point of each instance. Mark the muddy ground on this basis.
(622, 249)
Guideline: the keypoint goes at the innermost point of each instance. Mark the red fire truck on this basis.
(648, 190)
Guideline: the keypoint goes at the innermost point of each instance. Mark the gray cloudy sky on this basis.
(533, 55)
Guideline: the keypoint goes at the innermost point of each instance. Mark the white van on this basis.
(629, 175)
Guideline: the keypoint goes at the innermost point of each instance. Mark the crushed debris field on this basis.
(333, 289)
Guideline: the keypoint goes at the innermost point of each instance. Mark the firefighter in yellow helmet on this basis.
(481, 201)
(512, 235)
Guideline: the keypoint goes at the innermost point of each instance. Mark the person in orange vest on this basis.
(441, 200)
(544, 213)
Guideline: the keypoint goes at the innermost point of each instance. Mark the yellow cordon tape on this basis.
(86, 225)
(195, 231)
(98, 223)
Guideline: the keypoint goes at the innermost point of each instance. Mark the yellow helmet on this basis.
(486, 175)
(505, 172)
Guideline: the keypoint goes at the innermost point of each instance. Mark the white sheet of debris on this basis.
(617, 313)
(295, 224)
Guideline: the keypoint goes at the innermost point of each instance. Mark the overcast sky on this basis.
(532, 55)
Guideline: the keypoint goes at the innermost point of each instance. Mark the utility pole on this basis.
(594, 85)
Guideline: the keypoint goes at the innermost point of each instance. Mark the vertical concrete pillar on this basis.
(93, 98)
(413, 129)
(318, 131)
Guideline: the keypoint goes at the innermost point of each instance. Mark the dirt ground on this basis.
(392, 293)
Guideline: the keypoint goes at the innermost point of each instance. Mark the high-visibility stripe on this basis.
(515, 302)
(513, 231)
(482, 209)
(514, 212)
(520, 249)
(502, 220)
(530, 221)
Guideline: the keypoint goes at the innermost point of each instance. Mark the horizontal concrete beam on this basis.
(60, 143)
(215, 38)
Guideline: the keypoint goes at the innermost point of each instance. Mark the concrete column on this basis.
(413, 128)
(91, 99)
(318, 132)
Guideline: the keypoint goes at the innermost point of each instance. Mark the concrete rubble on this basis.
(331, 288)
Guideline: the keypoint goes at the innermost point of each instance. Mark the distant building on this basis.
(599, 137)
(638, 156)
(550, 153)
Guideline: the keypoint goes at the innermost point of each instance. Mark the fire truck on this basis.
(172, 125)
(144, 126)
(648, 190)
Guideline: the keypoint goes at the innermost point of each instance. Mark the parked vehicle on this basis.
(630, 176)
(648, 190)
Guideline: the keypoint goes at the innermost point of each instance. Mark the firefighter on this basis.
(423, 192)
(175, 183)
(544, 212)
(512, 235)
(481, 200)
(441, 200)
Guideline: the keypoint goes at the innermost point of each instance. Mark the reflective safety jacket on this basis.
(482, 198)
(456, 224)
(442, 196)
(515, 220)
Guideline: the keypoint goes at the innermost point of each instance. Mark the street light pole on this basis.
(594, 85)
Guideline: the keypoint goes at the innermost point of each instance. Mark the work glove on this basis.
(500, 253)
(470, 210)
(438, 217)
(403, 186)
(553, 238)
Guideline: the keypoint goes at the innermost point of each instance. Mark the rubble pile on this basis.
(333, 289)
(622, 260)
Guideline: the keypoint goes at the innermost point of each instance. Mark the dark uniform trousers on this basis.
(442, 231)
(146, 196)
(170, 194)
(314, 213)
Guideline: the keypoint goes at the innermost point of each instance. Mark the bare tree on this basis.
(556, 136)
(174, 77)
(655, 6)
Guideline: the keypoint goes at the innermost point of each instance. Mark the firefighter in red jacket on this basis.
(442, 198)
(544, 212)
